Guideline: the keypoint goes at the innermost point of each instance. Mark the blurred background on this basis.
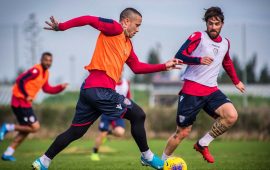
(166, 25)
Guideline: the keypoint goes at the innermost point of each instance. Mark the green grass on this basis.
(124, 155)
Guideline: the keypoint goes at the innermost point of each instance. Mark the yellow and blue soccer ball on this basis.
(175, 163)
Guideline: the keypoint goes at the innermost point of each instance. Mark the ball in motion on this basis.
(175, 163)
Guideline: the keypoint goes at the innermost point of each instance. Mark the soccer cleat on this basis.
(95, 157)
(205, 152)
(3, 132)
(37, 165)
(8, 158)
(156, 162)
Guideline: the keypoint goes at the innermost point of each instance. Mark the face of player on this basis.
(46, 62)
(131, 25)
(214, 26)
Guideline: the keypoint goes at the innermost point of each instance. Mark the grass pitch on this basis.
(124, 155)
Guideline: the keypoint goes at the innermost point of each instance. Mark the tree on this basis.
(250, 69)
(264, 76)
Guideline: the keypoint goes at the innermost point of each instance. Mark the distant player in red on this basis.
(27, 85)
(117, 125)
(98, 96)
(204, 53)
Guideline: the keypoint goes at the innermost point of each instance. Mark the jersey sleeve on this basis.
(107, 26)
(184, 53)
(141, 68)
(229, 67)
(47, 88)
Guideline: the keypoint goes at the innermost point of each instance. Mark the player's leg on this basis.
(103, 132)
(188, 108)
(84, 117)
(118, 128)
(174, 140)
(28, 124)
(136, 116)
(8, 154)
(219, 107)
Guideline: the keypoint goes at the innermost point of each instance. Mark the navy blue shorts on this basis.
(105, 122)
(189, 106)
(25, 116)
(96, 101)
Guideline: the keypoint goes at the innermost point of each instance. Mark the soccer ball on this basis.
(175, 163)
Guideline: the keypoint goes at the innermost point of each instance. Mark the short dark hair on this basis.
(46, 54)
(213, 12)
(126, 13)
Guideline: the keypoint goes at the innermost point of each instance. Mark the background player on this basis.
(204, 52)
(24, 91)
(118, 125)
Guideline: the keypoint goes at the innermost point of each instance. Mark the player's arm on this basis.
(25, 77)
(106, 26)
(47, 88)
(141, 68)
(230, 70)
(184, 53)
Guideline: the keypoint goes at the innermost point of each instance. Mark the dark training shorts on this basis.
(96, 101)
(189, 106)
(25, 116)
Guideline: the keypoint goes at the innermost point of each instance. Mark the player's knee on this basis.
(35, 127)
(140, 114)
(232, 118)
(119, 131)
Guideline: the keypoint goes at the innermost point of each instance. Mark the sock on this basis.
(148, 155)
(9, 151)
(45, 161)
(206, 139)
(10, 127)
(95, 150)
(164, 156)
(110, 132)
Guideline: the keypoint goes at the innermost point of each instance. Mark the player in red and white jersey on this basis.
(204, 53)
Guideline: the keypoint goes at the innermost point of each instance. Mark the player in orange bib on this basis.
(98, 96)
(24, 92)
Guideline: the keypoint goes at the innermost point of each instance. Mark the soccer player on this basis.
(204, 53)
(118, 125)
(24, 91)
(97, 96)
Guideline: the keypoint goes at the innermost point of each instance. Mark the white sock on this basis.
(10, 127)
(164, 156)
(45, 161)
(148, 155)
(9, 151)
(206, 139)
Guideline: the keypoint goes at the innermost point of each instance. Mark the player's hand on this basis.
(241, 87)
(173, 64)
(53, 25)
(29, 99)
(206, 60)
(64, 85)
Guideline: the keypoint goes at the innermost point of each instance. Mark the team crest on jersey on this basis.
(215, 51)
